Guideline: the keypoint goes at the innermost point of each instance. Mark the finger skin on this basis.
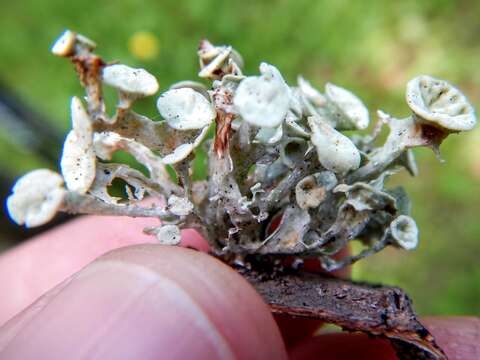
(47, 260)
(31, 269)
(147, 302)
(343, 346)
(459, 337)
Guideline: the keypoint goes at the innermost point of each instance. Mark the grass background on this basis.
(371, 47)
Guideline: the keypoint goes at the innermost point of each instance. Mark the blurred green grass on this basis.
(371, 47)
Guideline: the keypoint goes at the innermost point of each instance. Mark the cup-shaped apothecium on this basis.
(404, 232)
(313, 189)
(438, 103)
(439, 109)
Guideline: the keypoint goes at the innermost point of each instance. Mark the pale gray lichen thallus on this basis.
(283, 177)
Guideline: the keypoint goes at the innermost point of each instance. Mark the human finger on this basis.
(34, 267)
(459, 337)
(147, 302)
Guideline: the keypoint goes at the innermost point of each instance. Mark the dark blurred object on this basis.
(31, 131)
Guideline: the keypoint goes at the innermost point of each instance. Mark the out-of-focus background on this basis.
(371, 47)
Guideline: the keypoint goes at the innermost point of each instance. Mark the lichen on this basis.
(283, 178)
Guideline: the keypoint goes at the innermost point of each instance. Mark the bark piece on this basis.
(374, 309)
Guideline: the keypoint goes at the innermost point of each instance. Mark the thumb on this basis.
(146, 302)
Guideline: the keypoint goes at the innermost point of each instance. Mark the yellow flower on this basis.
(144, 45)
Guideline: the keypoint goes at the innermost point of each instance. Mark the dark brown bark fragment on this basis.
(374, 309)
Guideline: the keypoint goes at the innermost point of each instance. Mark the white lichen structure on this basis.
(131, 84)
(78, 158)
(283, 179)
(36, 197)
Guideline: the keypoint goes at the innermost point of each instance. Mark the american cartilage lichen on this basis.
(282, 177)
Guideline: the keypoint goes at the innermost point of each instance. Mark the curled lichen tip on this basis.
(36, 197)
